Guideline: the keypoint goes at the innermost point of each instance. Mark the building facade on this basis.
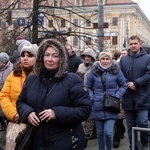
(80, 19)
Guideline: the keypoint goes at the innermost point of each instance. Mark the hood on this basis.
(88, 52)
(98, 70)
(62, 53)
(142, 52)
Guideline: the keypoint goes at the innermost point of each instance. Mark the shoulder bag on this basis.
(111, 103)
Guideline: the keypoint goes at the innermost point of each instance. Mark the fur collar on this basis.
(98, 70)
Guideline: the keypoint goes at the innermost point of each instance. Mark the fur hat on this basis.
(39, 65)
(4, 58)
(32, 48)
(104, 54)
(88, 52)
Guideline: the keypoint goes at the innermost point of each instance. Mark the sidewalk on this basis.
(124, 144)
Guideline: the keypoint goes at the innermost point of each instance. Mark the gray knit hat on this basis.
(32, 48)
(4, 58)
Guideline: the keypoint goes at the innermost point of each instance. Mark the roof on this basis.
(119, 2)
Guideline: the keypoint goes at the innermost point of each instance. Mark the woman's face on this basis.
(27, 60)
(105, 61)
(51, 59)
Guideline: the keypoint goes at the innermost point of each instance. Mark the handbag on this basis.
(12, 131)
(24, 139)
(111, 103)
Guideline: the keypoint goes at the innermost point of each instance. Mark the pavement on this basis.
(92, 144)
(124, 144)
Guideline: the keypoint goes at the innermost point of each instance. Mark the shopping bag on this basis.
(12, 132)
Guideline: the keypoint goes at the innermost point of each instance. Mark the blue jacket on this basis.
(115, 86)
(136, 68)
(69, 101)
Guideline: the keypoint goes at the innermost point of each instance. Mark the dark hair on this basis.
(135, 37)
(30, 54)
(17, 71)
(117, 55)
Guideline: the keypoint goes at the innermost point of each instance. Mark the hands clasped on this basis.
(46, 115)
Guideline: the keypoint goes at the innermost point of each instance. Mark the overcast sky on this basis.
(145, 6)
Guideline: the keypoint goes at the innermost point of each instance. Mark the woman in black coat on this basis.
(53, 100)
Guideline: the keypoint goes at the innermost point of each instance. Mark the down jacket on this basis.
(136, 69)
(4, 72)
(115, 86)
(69, 99)
(9, 94)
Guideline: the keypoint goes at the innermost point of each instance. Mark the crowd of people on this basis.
(62, 95)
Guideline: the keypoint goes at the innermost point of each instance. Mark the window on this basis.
(114, 40)
(105, 24)
(50, 23)
(63, 23)
(88, 23)
(77, 2)
(115, 21)
(95, 25)
(55, 3)
(15, 24)
(75, 41)
(88, 40)
(75, 22)
(3, 24)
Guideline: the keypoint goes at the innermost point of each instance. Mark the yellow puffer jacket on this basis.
(9, 95)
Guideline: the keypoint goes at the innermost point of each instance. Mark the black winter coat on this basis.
(69, 101)
(74, 62)
(136, 68)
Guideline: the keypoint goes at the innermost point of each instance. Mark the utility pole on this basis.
(100, 24)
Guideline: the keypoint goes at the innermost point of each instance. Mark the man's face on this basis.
(135, 46)
(69, 49)
(123, 53)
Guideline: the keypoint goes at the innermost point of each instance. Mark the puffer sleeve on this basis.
(80, 105)
(8, 97)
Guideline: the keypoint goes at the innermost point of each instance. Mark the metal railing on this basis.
(133, 134)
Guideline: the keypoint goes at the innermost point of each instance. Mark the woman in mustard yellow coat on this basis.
(13, 86)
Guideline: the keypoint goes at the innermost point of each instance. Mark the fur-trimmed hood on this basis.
(98, 70)
(63, 57)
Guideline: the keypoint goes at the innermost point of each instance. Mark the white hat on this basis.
(32, 48)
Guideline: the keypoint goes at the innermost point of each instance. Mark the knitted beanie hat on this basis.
(104, 54)
(32, 48)
(21, 43)
(4, 58)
